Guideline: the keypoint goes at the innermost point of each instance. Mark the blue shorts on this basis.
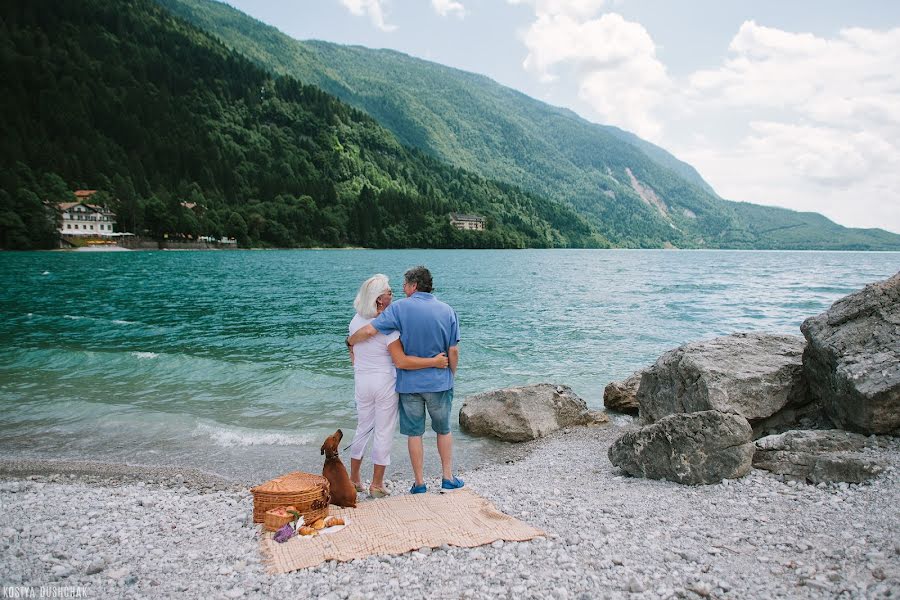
(412, 412)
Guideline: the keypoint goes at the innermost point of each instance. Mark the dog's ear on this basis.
(322, 450)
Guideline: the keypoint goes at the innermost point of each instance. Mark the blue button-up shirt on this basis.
(427, 327)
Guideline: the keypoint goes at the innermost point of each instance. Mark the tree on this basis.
(236, 227)
(38, 217)
(54, 189)
(157, 217)
(13, 233)
(129, 212)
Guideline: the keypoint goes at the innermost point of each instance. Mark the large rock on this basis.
(827, 456)
(524, 413)
(621, 396)
(696, 448)
(852, 359)
(755, 375)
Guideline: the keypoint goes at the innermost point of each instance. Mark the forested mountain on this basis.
(635, 193)
(124, 97)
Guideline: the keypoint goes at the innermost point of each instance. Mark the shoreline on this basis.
(92, 472)
(322, 248)
(133, 530)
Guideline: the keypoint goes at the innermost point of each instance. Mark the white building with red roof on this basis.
(81, 218)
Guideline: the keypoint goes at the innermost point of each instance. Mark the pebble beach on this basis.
(95, 530)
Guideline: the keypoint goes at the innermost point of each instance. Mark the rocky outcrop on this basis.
(755, 375)
(852, 358)
(696, 448)
(822, 456)
(621, 396)
(524, 413)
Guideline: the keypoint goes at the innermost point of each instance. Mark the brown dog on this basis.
(343, 492)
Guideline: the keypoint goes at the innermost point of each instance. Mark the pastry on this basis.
(320, 524)
(332, 521)
(308, 531)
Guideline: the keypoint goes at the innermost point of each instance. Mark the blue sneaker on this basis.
(418, 489)
(452, 484)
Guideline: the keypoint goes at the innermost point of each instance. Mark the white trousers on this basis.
(377, 406)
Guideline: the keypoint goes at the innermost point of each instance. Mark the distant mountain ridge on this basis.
(635, 193)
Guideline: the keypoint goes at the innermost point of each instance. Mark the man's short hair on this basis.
(421, 277)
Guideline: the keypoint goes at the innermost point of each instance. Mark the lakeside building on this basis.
(81, 218)
(470, 222)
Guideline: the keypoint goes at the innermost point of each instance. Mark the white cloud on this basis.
(372, 8)
(851, 76)
(821, 118)
(447, 7)
(615, 63)
(578, 9)
(850, 179)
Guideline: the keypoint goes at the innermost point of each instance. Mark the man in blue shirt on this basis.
(427, 327)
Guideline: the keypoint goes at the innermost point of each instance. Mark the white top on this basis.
(372, 355)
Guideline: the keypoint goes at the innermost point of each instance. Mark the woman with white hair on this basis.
(375, 377)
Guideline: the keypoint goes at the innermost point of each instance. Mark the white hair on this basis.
(368, 294)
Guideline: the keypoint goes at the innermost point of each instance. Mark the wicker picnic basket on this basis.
(275, 518)
(308, 494)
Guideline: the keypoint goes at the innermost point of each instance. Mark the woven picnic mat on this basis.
(396, 525)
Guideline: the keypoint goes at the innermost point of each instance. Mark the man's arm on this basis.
(453, 357)
(411, 363)
(361, 334)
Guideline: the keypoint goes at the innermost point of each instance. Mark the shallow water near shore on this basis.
(234, 362)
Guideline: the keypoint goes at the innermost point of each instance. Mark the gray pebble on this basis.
(118, 573)
(96, 566)
(635, 586)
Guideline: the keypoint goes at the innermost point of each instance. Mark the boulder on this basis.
(824, 456)
(693, 448)
(621, 396)
(852, 358)
(756, 375)
(524, 413)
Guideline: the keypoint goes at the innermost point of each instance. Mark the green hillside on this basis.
(122, 97)
(792, 230)
(635, 193)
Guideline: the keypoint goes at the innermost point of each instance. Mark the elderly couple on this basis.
(401, 352)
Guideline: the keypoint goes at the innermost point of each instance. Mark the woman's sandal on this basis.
(376, 492)
(359, 487)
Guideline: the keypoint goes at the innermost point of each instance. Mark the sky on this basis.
(793, 104)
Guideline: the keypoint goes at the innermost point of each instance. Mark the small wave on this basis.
(229, 437)
(620, 420)
(144, 354)
(73, 317)
(123, 322)
(45, 273)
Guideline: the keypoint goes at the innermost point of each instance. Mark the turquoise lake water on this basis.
(234, 361)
